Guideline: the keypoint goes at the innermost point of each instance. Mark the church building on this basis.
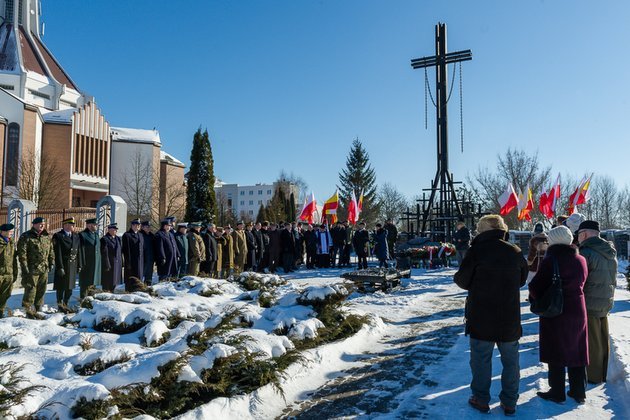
(46, 121)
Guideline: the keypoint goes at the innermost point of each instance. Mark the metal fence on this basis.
(54, 217)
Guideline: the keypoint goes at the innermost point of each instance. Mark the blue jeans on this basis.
(481, 367)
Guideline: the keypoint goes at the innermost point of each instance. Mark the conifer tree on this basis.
(262, 213)
(201, 204)
(358, 176)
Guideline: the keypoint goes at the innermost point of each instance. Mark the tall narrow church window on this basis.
(20, 11)
(13, 147)
(8, 15)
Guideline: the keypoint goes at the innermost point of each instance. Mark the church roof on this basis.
(62, 116)
(170, 159)
(136, 135)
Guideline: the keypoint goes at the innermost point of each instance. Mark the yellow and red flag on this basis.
(580, 195)
(360, 203)
(525, 204)
(330, 208)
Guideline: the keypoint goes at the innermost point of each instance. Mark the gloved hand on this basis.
(163, 262)
(62, 272)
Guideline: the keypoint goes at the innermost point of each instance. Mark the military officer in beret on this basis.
(196, 249)
(111, 261)
(8, 264)
(66, 244)
(149, 241)
(133, 252)
(36, 258)
(90, 274)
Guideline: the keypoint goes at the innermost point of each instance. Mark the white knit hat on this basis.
(573, 222)
(560, 235)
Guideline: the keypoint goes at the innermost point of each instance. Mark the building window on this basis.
(259, 202)
(93, 203)
(251, 202)
(251, 212)
(268, 192)
(76, 201)
(259, 192)
(13, 150)
(9, 11)
(229, 203)
(242, 192)
(242, 202)
(251, 192)
(21, 9)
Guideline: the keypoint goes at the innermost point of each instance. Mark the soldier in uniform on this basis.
(8, 264)
(66, 244)
(228, 254)
(250, 240)
(210, 242)
(149, 241)
(111, 261)
(239, 246)
(90, 274)
(182, 249)
(196, 249)
(220, 242)
(165, 252)
(36, 257)
(133, 253)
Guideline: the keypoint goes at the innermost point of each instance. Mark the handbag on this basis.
(551, 303)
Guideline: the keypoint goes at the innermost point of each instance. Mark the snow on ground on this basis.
(410, 363)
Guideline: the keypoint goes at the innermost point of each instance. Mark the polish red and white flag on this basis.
(508, 200)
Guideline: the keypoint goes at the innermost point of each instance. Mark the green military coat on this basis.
(8, 259)
(35, 252)
(91, 256)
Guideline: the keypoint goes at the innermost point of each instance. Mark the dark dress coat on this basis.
(381, 250)
(563, 339)
(147, 253)
(166, 254)
(275, 247)
(111, 261)
(360, 242)
(210, 243)
(133, 254)
(310, 241)
(181, 241)
(493, 271)
(287, 241)
(67, 259)
(252, 245)
(91, 259)
(260, 244)
(461, 239)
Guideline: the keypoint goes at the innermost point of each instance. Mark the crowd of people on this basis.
(573, 343)
(173, 251)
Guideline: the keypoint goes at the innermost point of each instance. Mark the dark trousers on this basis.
(250, 264)
(577, 381)
(362, 261)
(148, 272)
(345, 259)
(337, 254)
(324, 260)
(63, 296)
(311, 258)
(288, 261)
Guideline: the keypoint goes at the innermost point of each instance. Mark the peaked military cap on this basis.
(182, 225)
(39, 220)
(91, 221)
(165, 222)
(145, 223)
(7, 227)
(69, 221)
(112, 226)
(136, 222)
(194, 224)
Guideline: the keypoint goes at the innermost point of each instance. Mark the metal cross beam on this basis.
(443, 183)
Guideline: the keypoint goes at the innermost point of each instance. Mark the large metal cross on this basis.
(448, 198)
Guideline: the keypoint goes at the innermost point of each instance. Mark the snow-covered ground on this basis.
(411, 361)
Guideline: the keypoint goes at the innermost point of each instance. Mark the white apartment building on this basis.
(245, 200)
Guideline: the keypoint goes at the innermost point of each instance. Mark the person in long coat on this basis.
(182, 249)
(260, 245)
(220, 245)
(209, 266)
(275, 247)
(133, 253)
(287, 241)
(149, 261)
(239, 245)
(66, 244)
(564, 338)
(166, 253)
(361, 242)
(382, 247)
(493, 271)
(227, 265)
(90, 274)
(252, 246)
(196, 249)
(310, 243)
(264, 231)
(324, 245)
(111, 259)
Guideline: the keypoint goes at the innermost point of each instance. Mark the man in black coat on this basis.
(133, 253)
(310, 243)
(250, 239)
(209, 240)
(287, 243)
(275, 248)
(338, 235)
(392, 237)
(361, 241)
(260, 245)
(166, 252)
(148, 241)
(461, 239)
(90, 251)
(111, 259)
(493, 271)
(66, 244)
(264, 231)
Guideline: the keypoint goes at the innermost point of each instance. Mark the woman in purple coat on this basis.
(563, 339)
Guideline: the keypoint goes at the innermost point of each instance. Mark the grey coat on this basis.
(599, 289)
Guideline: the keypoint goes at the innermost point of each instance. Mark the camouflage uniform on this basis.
(36, 256)
(8, 270)
(196, 252)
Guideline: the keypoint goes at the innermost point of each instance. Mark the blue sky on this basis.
(289, 84)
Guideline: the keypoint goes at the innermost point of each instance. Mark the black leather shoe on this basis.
(579, 400)
(551, 397)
